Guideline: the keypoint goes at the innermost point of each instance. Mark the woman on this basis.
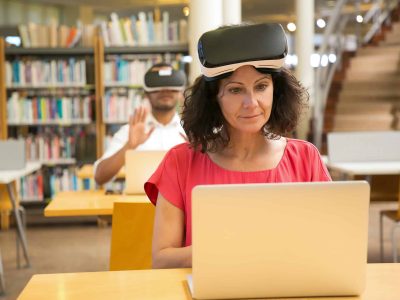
(235, 127)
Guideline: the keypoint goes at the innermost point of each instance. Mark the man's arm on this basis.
(110, 166)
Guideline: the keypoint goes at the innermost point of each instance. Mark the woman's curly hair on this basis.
(205, 125)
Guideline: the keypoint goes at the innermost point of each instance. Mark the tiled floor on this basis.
(85, 248)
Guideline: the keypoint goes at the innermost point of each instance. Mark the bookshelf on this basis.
(47, 97)
(95, 87)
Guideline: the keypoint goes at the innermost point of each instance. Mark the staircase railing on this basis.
(333, 44)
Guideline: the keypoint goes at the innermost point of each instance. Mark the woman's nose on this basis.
(249, 100)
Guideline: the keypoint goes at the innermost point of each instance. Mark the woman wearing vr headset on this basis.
(235, 116)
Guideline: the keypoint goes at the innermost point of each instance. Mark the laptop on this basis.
(12, 153)
(279, 240)
(139, 166)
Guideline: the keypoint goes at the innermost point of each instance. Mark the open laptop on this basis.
(139, 166)
(279, 240)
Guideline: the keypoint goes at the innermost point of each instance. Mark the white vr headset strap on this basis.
(266, 64)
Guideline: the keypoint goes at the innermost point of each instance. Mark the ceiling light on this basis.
(332, 58)
(321, 23)
(359, 18)
(291, 26)
(324, 60)
(186, 11)
(314, 60)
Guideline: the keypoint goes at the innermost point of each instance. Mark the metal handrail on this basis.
(333, 39)
(321, 82)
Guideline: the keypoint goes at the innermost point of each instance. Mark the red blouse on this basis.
(183, 168)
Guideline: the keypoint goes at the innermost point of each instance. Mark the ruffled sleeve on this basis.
(167, 179)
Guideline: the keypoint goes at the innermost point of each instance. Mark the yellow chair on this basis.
(131, 236)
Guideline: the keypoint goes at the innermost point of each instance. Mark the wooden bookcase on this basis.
(97, 56)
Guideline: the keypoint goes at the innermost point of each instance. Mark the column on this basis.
(204, 15)
(304, 47)
(232, 12)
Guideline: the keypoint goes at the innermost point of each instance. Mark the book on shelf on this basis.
(60, 179)
(35, 72)
(143, 30)
(50, 145)
(130, 69)
(31, 187)
(42, 109)
(53, 35)
(119, 105)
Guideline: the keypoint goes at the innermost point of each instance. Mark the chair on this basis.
(394, 216)
(131, 236)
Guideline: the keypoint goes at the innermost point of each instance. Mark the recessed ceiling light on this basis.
(291, 27)
(321, 23)
(186, 11)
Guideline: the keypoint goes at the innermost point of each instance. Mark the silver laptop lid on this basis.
(279, 240)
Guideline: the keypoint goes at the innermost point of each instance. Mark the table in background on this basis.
(7, 178)
(87, 203)
(369, 169)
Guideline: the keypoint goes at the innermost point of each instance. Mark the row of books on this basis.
(118, 107)
(42, 109)
(53, 35)
(50, 146)
(77, 143)
(143, 30)
(35, 72)
(130, 69)
(64, 179)
(31, 187)
(48, 182)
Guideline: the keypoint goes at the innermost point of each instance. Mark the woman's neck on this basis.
(245, 146)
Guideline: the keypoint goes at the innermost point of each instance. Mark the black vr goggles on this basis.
(225, 49)
(164, 77)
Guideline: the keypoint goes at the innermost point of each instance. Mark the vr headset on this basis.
(164, 77)
(225, 49)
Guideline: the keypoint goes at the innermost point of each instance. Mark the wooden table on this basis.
(87, 203)
(7, 178)
(382, 284)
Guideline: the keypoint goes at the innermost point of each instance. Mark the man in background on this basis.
(158, 130)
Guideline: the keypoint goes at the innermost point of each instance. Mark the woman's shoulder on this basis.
(301, 146)
(181, 151)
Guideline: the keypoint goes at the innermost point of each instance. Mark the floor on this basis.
(84, 247)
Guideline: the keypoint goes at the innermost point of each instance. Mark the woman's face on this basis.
(245, 99)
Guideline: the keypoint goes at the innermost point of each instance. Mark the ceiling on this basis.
(252, 10)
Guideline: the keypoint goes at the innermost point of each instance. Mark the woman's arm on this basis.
(168, 237)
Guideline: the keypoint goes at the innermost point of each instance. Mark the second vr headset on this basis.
(164, 77)
(225, 49)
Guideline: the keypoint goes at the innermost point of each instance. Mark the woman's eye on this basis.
(261, 87)
(235, 90)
